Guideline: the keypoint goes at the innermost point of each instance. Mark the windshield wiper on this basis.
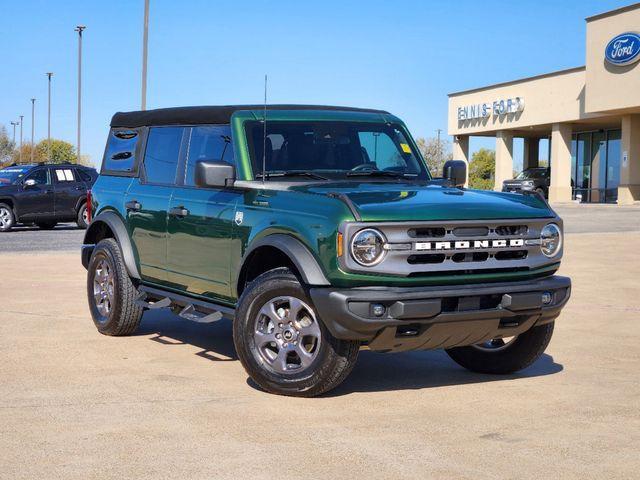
(378, 173)
(292, 173)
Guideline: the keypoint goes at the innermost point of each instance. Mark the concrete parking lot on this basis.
(174, 402)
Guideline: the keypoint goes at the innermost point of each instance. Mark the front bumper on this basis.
(439, 317)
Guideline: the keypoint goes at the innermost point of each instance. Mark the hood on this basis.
(411, 202)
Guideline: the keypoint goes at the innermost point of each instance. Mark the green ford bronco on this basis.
(317, 231)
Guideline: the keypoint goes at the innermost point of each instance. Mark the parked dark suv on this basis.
(317, 230)
(532, 180)
(44, 194)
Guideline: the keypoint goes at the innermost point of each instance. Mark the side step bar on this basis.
(191, 309)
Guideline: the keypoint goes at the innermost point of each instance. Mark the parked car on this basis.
(317, 230)
(44, 194)
(532, 180)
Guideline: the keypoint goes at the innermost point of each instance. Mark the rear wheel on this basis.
(7, 218)
(83, 217)
(111, 293)
(46, 225)
(283, 344)
(504, 355)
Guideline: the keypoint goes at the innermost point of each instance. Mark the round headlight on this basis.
(550, 240)
(367, 247)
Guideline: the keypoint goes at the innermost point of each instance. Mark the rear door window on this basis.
(162, 154)
(120, 155)
(210, 143)
(64, 175)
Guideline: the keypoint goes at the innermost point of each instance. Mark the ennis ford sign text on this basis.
(496, 108)
(623, 49)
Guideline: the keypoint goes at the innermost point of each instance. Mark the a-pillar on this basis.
(629, 188)
(461, 151)
(504, 158)
(560, 188)
(531, 153)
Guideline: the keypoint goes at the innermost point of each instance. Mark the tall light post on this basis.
(49, 75)
(21, 123)
(145, 40)
(79, 29)
(14, 133)
(33, 123)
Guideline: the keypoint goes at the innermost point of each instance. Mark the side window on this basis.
(120, 155)
(211, 143)
(162, 154)
(39, 176)
(63, 175)
(84, 176)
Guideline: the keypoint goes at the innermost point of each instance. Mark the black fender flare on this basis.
(117, 226)
(298, 253)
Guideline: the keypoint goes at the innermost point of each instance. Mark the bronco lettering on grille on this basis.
(469, 244)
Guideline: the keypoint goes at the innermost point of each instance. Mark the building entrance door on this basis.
(595, 172)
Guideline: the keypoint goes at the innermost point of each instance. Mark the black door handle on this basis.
(48, 191)
(133, 205)
(178, 212)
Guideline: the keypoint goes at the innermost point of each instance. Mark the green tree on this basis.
(61, 151)
(482, 169)
(435, 153)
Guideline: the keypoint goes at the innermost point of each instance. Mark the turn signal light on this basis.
(339, 244)
(89, 206)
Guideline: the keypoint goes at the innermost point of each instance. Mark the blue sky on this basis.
(402, 56)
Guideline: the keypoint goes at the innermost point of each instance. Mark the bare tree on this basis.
(435, 153)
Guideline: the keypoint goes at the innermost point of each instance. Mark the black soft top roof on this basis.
(207, 114)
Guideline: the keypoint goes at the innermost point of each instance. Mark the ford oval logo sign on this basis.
(623, 49)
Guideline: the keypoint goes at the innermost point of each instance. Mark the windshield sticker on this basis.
(405, 148)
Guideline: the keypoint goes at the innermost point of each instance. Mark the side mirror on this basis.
(456, 172)
(29, 183)
(215, 174)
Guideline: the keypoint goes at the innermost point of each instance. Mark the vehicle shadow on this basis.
(374, 372)
(34, 228)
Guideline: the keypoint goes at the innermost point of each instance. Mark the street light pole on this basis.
(21, 123)
(49, 75)
(33, 122)
(145, 40)
(79, 29)
(14, 133)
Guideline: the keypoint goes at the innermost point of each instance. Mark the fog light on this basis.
(378, 309)
(547, 298)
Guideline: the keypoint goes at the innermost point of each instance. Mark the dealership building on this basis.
(590, 114)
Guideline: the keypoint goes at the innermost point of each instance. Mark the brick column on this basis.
(531, 153)
(461, 151)
(629, 188)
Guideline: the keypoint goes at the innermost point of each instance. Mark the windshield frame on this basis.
(242, 121)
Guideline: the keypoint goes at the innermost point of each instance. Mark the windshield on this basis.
(326, 150)
(8, 176)
(531, 173)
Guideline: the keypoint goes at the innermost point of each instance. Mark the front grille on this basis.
(422, 249)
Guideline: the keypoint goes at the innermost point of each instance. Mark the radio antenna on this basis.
(264, 133)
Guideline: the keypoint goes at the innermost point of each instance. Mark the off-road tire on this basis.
(335, 358)
(125, 315)
(8, 211)
(80, 220)
(46, 225)
(524, 350)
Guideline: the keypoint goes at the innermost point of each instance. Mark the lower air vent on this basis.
(427, 258)
(511, 255)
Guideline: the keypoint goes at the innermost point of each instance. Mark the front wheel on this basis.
(504, 355)
(283, 344)
(7, 218)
